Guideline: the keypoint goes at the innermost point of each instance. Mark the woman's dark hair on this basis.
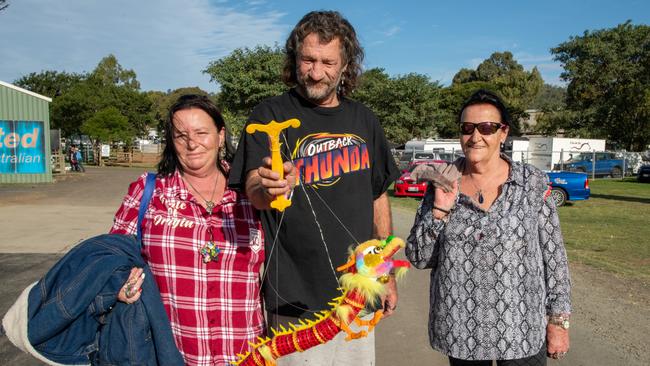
(483, 96)
(328, 25)
(169, 160)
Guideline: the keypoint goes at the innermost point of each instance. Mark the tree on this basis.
(406, 105)
(608, 71)
(110, 72)
(161, 102)
(502, 74)
(550, 98)
(99, 91)
(246, 77)
(49, 83)
(107, 125)
(451, 100)
(3, 5)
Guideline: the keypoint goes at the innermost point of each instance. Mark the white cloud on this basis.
(392, 31)
(166, 42)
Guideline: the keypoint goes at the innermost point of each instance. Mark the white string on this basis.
(320, 230)
(333, 214)
(277, 232)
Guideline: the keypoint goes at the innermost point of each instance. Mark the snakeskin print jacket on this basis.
(495, 275)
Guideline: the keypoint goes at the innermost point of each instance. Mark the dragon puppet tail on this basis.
(307, 334)
(362, 285)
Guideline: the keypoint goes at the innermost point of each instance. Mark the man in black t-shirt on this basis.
(337, 168)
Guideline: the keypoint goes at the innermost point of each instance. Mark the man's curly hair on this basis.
(328, 25)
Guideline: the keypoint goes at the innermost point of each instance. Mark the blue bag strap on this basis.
(144, 202)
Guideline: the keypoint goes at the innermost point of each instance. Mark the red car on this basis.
(406, 187)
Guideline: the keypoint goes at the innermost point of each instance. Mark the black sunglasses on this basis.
(485, 128)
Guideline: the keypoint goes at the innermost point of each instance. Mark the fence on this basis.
(612, 164)
(118, 156)
(608, 164)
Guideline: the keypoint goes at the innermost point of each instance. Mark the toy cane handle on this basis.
(273, 129)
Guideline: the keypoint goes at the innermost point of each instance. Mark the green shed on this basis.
(24, 136)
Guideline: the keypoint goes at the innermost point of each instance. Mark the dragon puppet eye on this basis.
(372, 250)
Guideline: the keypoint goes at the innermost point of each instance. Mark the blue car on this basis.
(568, 186)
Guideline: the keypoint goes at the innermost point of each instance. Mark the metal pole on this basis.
(593, 164)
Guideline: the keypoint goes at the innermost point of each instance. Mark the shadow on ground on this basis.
(17, 271)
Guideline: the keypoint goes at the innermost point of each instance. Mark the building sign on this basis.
(22, 147)
(106, 151)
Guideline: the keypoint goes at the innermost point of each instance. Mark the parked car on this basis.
(409, 157)
(606, 164)
(407, 187)
(568, 186)
(644, 174)
(565, 186)
(424, 156)
(404, 160)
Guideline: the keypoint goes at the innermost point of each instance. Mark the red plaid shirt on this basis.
(213, 308)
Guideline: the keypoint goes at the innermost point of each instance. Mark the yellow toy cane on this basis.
(273, 129)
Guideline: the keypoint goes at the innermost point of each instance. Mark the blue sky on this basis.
(168, 42)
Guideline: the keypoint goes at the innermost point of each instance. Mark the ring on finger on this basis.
(129, 290)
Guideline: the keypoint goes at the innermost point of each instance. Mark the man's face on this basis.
(319, 69)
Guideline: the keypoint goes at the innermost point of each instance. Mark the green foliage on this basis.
(108, 125)
(109, 72)
(406, 105)
(234, 121)
(92, 93)
(608, 71)
(247, 76)
(49, 83)
(161, 102)
(550, 98)
(451, 100)
(502, 74)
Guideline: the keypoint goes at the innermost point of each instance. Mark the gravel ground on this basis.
(38, 223)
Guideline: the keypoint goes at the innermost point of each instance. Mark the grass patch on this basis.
(610, 231)
(410, 203)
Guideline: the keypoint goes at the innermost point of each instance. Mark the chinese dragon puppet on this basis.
(362, 283)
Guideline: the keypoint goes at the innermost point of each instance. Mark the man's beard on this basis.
(317, 92)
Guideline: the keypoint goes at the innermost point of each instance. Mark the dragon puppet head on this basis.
(370, 263)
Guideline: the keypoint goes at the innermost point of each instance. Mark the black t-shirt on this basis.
(344, 164)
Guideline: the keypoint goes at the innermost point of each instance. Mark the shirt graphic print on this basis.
(322, 158)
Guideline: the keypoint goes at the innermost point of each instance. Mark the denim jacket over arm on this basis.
(74, 316)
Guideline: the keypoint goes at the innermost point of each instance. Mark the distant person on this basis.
(490, 233)
(202, 240)
(79, 159)
(350, 205)
(72, 157)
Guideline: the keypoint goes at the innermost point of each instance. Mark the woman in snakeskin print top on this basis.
(500, 287)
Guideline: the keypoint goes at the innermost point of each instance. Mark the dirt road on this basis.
(610, 324)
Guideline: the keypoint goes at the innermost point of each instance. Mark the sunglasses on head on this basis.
(485, 128)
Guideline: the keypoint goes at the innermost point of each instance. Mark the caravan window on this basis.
(424, 156)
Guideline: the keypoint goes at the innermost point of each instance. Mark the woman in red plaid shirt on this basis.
(203, 241)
